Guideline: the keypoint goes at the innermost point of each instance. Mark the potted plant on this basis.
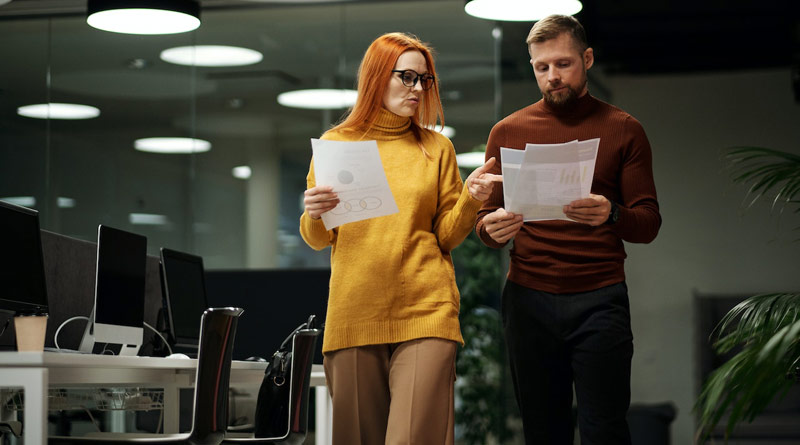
(764, 329)
(482, 387)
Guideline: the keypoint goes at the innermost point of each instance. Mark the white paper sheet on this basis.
(355, 172)
(540, 180)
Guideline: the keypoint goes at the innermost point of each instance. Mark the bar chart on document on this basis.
(539, 180)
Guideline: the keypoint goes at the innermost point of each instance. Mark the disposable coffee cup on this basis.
(30, 330)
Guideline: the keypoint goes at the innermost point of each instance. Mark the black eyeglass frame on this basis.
(418, 77)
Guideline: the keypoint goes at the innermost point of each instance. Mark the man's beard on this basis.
(565, 100)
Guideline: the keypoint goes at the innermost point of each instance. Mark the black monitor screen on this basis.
(185, 295)
(121, 265)
(22, 282)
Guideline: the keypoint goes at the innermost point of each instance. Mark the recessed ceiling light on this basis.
(144, 17)
(172, 145)
(242, 172)
(472, 159)
(520, 10)
(211, 55)
(318, 99)
(299, 1)
(148, 219)
(447, 130)
(65, 203)
(58, 111)
(25, 201)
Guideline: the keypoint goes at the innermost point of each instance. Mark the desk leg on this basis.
(323, 413)
(34, 382)
(172, 409)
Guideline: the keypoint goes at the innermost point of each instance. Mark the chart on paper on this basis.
(540, 180)
(355, 172)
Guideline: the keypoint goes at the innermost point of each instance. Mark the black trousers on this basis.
(555, 340)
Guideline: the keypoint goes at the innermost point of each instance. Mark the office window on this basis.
(85, 172)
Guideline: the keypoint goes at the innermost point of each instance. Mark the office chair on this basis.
(217, 332)
(291, 424)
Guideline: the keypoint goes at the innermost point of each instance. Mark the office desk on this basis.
(35, 372)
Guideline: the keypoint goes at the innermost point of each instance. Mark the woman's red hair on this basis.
(373, 79)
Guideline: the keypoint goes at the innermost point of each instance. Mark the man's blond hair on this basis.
(553, 26)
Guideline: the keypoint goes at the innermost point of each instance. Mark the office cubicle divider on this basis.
(275, 300)
(70, 275)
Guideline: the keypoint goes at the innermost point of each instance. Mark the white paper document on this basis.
(540, 180)
(355, 172)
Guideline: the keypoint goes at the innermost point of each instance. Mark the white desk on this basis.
(35, 372)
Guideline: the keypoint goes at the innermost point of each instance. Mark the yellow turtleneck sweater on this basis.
(392, 277)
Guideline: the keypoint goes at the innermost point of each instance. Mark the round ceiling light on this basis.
(58, 111)
(318, 99)
(520, 10)
(144, 17)
(148, 219)
(172, 145)
(65, 203)
(473, 159)
(242, 172)
(447, 130)
(24, 201)
(211, 55)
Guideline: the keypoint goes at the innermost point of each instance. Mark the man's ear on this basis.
(588, 58)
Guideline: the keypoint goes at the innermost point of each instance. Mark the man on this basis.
(565, 304)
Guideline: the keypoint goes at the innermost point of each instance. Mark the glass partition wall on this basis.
(83, 172)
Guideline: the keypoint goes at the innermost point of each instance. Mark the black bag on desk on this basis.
(282, 407)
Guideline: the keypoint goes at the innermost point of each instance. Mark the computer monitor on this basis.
(118, 314)
(22, 282)
(184, 286)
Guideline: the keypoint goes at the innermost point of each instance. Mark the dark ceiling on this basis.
(689, 36)
(683, 36)
(629, 36)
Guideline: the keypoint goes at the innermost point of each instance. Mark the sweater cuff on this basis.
(487, 240)
(316, 224)
(466, 209)
(314, 232)
(468, 203)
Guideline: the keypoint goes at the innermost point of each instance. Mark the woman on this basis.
(392, 329)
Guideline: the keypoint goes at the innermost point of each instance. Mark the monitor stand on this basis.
(90, 345)
(87, 341)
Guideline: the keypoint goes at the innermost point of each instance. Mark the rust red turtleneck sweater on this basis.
(563, 256)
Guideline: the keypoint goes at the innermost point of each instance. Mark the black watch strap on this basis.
(613, 214)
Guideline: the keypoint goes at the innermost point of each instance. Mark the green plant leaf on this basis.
(767, 328)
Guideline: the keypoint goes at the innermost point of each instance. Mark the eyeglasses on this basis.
(410, 79)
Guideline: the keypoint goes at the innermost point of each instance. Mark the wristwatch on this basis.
(613, 214)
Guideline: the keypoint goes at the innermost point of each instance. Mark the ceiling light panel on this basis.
(472, 159)
(520, 10)
(58, 111)
(211, 55)
(447, 130)
(242, 172)
(318, 99)
(144, 17)
(172, 145)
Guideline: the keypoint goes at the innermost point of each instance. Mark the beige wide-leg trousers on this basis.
(395, 394)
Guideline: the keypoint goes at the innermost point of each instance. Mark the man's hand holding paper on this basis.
(546, 180)
(593, 210)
